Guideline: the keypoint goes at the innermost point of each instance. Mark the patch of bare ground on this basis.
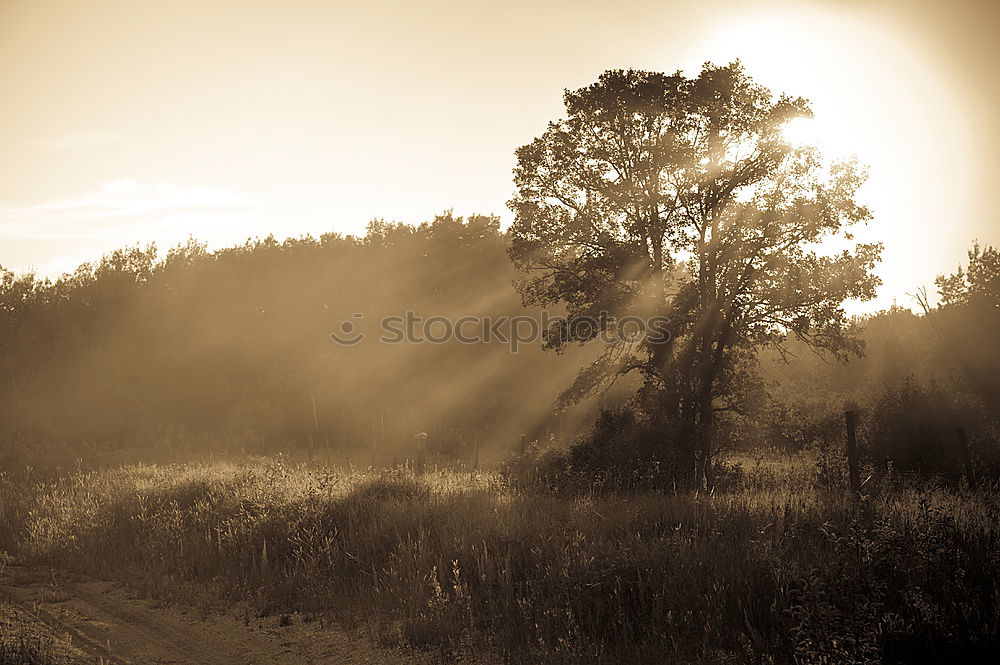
(90, 620)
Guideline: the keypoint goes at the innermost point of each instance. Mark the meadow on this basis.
(780, 564)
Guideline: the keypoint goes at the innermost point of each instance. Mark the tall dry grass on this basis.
(780, 567)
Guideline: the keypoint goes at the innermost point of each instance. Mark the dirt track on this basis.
(105, 623)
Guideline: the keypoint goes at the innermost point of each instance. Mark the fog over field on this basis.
(549, 333)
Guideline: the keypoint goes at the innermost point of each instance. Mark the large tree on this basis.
(681, 197)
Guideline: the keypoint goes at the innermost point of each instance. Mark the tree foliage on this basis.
(978, 283)
(681, 197)
(231, 348)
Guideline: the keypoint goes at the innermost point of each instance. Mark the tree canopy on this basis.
(681, 197)
(977, 283)
(230, 349)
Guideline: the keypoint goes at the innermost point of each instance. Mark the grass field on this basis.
(782, 566)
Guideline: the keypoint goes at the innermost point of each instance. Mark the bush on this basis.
(623, 452)
(912, 427)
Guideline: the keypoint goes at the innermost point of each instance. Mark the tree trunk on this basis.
(706, 415)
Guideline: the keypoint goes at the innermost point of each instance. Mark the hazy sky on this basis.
(129, 121)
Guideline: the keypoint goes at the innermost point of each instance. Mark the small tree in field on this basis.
(681, 197)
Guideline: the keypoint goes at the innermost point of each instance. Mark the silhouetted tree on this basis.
(681, 197)
(968, 317)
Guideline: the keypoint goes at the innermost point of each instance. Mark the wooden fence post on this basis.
(524, 444)
(852, 451)
(963, 443)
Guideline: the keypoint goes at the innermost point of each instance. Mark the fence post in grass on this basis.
(852, 451)
(524, 444)
(963, 443)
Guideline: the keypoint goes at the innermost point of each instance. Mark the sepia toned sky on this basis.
(128, 121)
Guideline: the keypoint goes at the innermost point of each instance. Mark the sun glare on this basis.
(875, 97)
(801, 132)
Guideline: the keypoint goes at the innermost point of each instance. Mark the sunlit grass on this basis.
(779, 565)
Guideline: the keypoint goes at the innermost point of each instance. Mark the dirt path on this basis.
(106, 623)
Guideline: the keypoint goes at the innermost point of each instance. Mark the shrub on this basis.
(913, 428)
(623, 452)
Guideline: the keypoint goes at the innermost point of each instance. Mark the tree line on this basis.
(231, 348)
(655, 196)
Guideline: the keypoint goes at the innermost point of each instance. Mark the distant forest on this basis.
(229, 351)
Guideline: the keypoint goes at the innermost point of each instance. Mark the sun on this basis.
(801, 132)
(823, 133)
(876, 98)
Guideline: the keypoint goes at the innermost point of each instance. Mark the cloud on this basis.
(119, 213)
(116, 206)
(75, 141)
